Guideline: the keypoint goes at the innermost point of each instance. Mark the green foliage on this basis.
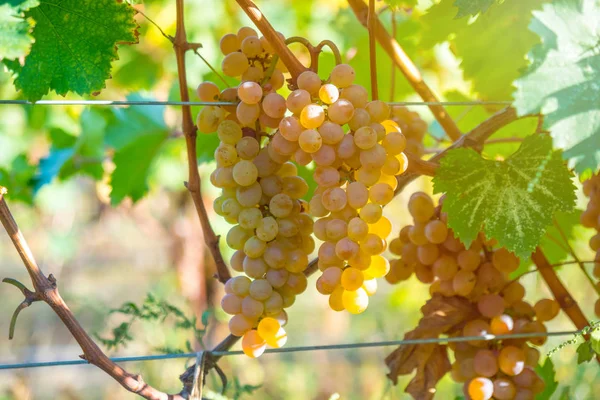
(137, 134)
(401, 3)
(70, 155)
(471, 7)
(512, 201)
(571, 105)
(563, 223)
(548, 375)
(18, 178)
(585, 353)
(74, 56)
(239, 390)
(153, 310)
(16, 37)
(504, 27)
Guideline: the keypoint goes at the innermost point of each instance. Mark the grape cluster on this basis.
(590, 218)
(260, 196)
(413, 128)
(503, 369)
(357, 152)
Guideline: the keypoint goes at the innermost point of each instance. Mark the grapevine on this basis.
(478, 277)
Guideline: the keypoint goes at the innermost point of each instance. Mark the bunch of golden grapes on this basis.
(505, 369)
(261, 194)
(590, 218)
(413, 128)
(357, 152)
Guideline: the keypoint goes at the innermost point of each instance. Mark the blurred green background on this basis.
(103, 256)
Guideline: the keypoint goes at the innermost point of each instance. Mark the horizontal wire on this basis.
(343, 346)
(122, 103)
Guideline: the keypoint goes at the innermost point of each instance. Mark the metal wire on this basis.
(343, 346)
(122, 103)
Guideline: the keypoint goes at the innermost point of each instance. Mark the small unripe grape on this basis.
(208, 91)
(355, 302)
(231, 304)
(331, 133)
(421, 207)
(252, 308)
(239, 325)
(491, 305)
(501, 325)
(274, 105)
(328, 93)
(352, 278)
(297, 100)
(511, 360)
(480, 389)
(234, 64)
(365, 138)
(310, 141)
(341, 112)
(355, 94)
(436, 231)
(229, 44)
(378, 110)
(309, 81)
(546, 309)
(504, 389)
(253, 345)
(342, 75)
(251, 46)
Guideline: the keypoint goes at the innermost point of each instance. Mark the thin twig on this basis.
(162, 32)
(372, 50)
(264, 26)
(196, 52)
(407, 67)
(393, 77)
(574, 255)
(46, 290)
(180, 45)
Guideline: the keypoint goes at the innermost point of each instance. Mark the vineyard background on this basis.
(104, 256)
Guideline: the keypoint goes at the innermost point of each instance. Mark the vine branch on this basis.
(46, 290)
(264, 26)
(372, 50)
(181, 47)
(406, 66)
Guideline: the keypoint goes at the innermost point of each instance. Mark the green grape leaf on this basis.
(595, 339)
(137, 134)
(585, 353)
(75, 44)
(567, 222)
(471, 7)
(512, 201)
(18, 179)
(503, 25)
(571, 105)
(548, 375)
(16, 38)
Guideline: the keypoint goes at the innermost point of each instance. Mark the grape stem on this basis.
(181, 47)
(372, 50)
(406, 66)
(559, 291)
(293, 65)
(46, 289)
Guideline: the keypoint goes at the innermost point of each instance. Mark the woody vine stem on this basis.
(45, 288)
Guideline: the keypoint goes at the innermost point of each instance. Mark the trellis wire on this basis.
(122, 103)
(343, 346)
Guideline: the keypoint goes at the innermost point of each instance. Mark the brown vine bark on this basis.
(181, 46)
(406, 66)
(264, 26)
(46, 290)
